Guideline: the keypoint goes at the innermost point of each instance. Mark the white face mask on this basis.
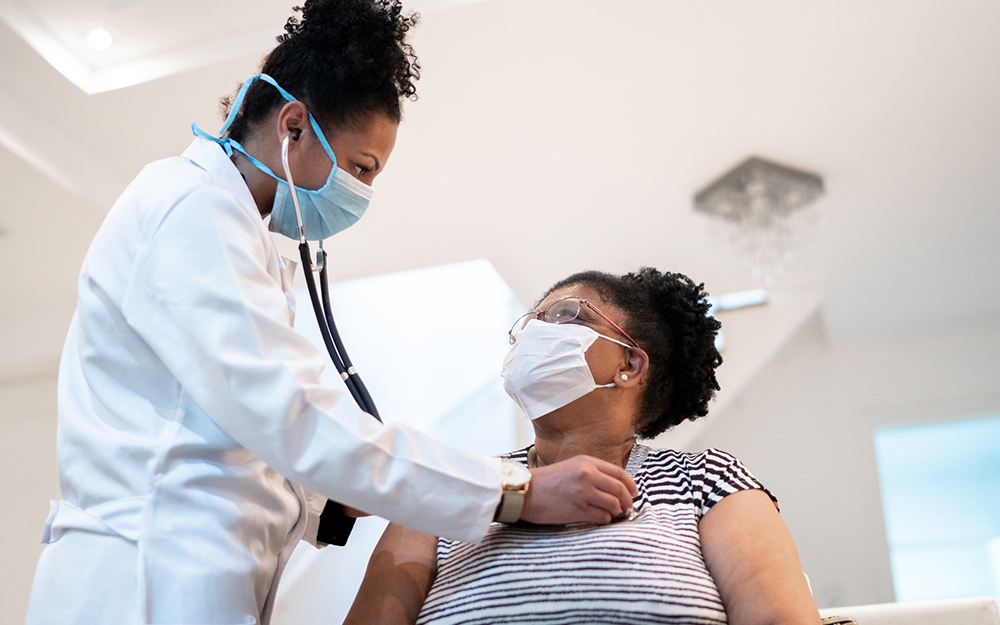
(547, 367)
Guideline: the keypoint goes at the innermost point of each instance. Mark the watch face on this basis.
(514, 474)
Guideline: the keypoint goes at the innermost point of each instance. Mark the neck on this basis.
(262, 187)
(552, 445)
(598, 424)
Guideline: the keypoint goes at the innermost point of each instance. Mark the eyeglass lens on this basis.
(560, 312)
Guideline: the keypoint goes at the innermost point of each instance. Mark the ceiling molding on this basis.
(38, 143)
(91, 79)
(133, 66)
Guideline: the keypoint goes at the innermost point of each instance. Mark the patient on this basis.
(601, 361)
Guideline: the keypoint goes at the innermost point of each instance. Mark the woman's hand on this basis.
(752, 557)
(582, 489)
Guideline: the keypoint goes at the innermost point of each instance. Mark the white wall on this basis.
(28, 480)
(805, 427)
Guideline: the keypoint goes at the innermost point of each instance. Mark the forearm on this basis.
(399, 577)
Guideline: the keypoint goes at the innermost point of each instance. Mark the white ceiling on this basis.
(557, 135)
(152, 38)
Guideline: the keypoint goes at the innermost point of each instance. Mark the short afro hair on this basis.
(344, 59)
(666, 313)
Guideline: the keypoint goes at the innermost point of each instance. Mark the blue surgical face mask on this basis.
(334, 207)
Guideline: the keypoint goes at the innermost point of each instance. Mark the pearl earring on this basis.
(624, 377)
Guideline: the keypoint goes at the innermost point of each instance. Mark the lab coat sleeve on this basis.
(315, 503)
(202, 298)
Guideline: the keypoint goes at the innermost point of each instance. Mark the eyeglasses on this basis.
(561, 311)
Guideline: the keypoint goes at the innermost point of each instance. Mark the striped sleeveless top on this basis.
(648, 570)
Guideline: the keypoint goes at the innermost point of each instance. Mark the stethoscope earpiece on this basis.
(296, 133)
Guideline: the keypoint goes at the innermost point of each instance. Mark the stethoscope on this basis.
(324, 317)
(335, 525)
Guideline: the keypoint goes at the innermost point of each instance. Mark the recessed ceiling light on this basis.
(99, 39)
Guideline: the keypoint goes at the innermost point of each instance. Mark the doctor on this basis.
(196, 445)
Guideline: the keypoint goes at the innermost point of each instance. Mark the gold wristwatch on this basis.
(515, 479)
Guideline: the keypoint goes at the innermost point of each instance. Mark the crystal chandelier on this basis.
(757, 207)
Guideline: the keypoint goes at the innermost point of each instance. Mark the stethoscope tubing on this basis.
(324, 315)
(353, 376)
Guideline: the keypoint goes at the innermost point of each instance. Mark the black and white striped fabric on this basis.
(649, 570)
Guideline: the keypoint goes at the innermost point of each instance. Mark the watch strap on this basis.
(511, 505)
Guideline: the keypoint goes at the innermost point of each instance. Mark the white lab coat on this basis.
(192, 420)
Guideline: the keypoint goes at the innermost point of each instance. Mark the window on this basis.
(429, 344)
(941, 496)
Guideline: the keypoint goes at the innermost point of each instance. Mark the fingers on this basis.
(614, 487)
(614, 481)
(580, 489)
(605, 508)
(619, 474)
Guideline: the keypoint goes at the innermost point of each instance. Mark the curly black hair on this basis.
(666, 313)
(344, 59)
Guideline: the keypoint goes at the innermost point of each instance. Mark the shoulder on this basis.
(710, 465)
(723, 474)
(157, 192)
(144, 206)
(715, 459)
(177, 195)
(696, 461)
(202, 178)
(687, 461)
(707, 475)
(192, 227)
(167, 179)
